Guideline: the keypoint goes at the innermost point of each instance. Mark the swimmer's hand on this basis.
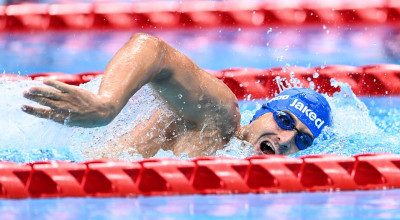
(69, 105)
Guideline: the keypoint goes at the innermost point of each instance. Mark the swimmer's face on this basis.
(268, 138)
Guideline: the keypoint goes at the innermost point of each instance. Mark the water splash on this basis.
(24, 138)
(355, 130)
(237, 148)
(104, 141)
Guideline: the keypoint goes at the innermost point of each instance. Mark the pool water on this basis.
(215, 49)
(330, 205)
(362, 124)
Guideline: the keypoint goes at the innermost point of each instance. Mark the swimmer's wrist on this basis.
(107, 109)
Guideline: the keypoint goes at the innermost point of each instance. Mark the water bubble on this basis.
(237, 148)
(279, 58)
(267, 44)
(282, 83)
(198, 106)
(295, 82)
(269, 30)
(323, 27)
(312, 85)
(308, 79)
(286, 47)
(292, 74)
(239, 29)
(334, 83)
(315, 75)
(180, 96)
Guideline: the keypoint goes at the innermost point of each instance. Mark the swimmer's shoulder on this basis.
(194, 93)
(223, 109)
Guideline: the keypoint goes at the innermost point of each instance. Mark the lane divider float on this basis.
(250, 83)
(194, 14)
(207, 175)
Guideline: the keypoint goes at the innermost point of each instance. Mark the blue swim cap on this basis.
(307, 105)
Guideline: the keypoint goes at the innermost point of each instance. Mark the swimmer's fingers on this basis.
(42, 100)
(44, 92)
(44, 113)
(63, 87)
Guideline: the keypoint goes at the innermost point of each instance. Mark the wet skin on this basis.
(268, 138)
(182, 85)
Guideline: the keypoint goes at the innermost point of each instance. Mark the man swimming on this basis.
(206, 112)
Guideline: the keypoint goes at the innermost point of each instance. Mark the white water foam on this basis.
(25, 138)
(354, 131)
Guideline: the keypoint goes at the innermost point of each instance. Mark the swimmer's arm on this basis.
(134, 65)
(187, 89)
(144, 59)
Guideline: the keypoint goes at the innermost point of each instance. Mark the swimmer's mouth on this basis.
(267, 148)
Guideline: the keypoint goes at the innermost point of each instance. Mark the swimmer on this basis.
(206, 112)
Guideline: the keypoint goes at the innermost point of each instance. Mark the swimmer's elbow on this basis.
(142, 36)
(149, 40)
(155, 47)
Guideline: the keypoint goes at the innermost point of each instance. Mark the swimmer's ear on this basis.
(63, 87)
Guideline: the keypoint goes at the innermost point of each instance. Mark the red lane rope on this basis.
(195, 14)
(248, 83)
(210, 175)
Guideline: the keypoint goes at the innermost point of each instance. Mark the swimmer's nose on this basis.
(286, 139)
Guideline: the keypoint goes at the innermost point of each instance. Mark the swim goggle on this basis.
(286, 122)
